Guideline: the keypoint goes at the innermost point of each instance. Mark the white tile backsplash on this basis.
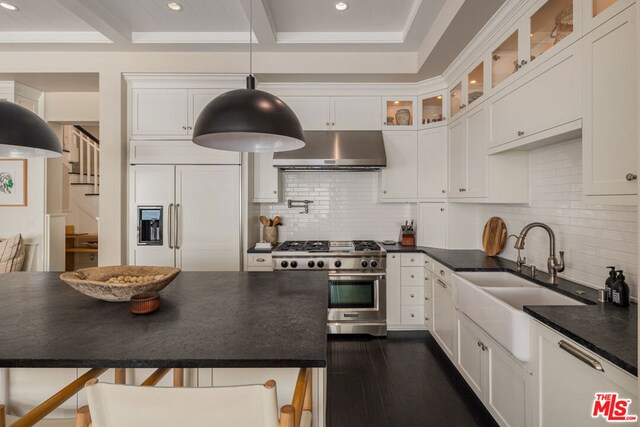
(345, 206)
(592, 235)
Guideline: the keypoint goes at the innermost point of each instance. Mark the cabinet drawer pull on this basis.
(581, 356)
(444, 285)
(462, 190)
(170, 225)
(260, 260)
(631, 177)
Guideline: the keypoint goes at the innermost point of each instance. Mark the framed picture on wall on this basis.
(13, 182)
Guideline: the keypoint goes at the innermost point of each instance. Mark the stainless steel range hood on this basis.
(335, 150)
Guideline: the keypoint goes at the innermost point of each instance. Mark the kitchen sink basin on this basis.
(498, 308)
(497, 279)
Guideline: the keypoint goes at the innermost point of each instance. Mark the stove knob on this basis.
(320, 264)
(373, 264)
(363, 264)
(284, 264)
(294, 264)
(311, 264)
(337, 264)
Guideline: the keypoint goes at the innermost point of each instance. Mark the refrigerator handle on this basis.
(170, 223)
(177, 241)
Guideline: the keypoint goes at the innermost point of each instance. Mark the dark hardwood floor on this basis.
(402, 380)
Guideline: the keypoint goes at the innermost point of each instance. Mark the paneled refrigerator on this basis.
(187, 216)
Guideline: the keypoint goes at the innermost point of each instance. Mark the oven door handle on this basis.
(356, 275)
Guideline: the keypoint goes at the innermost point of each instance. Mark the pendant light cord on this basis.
(250, 38)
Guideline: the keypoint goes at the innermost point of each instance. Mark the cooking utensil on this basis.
(264, 220)
(494, 236)
(277, 221)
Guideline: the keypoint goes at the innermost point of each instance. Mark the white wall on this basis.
(72, 107)
(593, 235)
(344, 207)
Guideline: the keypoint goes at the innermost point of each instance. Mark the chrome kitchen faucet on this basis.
(553, 266)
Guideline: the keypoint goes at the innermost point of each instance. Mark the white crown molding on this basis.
(410, 18)
(339, 37)
(348, 89)
(153, 37)
(505, 17)
(53, 37)
(186, 81)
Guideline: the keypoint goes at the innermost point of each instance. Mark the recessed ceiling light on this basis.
(341, 6)
(176, 7)
(9, 6)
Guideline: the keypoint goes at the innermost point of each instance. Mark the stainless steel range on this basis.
(357, 280)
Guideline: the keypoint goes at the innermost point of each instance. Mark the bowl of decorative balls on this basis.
(119, 283)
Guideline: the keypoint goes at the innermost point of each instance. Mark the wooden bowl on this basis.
(145, 303)
(94, 282)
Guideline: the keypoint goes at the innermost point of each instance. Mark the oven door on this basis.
(357, 297)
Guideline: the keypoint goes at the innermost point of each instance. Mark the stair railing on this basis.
(89, 155)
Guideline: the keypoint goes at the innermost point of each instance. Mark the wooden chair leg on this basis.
(3, 415)
(83, 417)
(287, 416)
(307, 404)
(120, 375)
(178, 377)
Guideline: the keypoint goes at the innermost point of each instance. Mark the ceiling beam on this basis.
(100, 18)
(440, 25)
(263, 24)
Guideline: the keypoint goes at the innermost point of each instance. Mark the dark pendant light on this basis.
(248, 119)
(24, 134)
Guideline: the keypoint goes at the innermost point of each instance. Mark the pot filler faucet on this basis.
(553, 266)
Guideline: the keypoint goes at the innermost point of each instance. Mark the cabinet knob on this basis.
(462, 190)
(426, 298)
(441, 209)
(412, 276)
(393, 256)
(413, 315)
(631, 177)
(333, 124)
(327, 123)
(189, 127)
(426, 318)
(275, 192)
(442, 272)
(384, 191)
(184, 128)
(444, 191)
(413, 296)
(520, 133)
(412, 260)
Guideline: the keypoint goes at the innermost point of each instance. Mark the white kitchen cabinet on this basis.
(467, 155)
(266, 179)
(165, 113)
(597, 12)
(432, 225)
(432, 163)
(356, 113)
(609, 135)
(176, 151)
(336, 113)
(200, 216)
(543, 105)
(393, 290)
(432, 110)
(495, 377)
(566, 385)
(259, 262)
(314, 113)
(399, 180)
(398, 113)
(428, 298)
(443, 328)
(207, 216)
(457, 158)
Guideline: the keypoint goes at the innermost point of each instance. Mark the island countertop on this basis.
(207, 319)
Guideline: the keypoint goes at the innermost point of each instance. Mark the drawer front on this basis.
(260, 260)
(412, 295)
(411, 259)
(442, 272)
(429, 263)
(412, 314)
(410, 276)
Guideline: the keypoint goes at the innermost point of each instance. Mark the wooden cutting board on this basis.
(494, 236)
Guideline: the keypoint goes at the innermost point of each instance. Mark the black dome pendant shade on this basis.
(24, 134)
(248, 120)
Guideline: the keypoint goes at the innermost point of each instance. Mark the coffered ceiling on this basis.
(223, 25)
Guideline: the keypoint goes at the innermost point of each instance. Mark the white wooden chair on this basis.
(116, 405)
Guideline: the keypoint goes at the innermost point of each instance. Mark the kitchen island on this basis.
(206, 320)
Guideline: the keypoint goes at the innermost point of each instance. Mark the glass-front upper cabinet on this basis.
(399, 113)
(432, 110)
(599, 6)
(505, 60)
(475, 83)
(549, 25)
(597, 12)
(455, 100)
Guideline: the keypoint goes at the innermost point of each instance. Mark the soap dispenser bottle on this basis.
(620, 291)
(608, 285)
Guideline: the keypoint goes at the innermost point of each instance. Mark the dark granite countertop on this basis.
(605, 329)
(207, 319)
